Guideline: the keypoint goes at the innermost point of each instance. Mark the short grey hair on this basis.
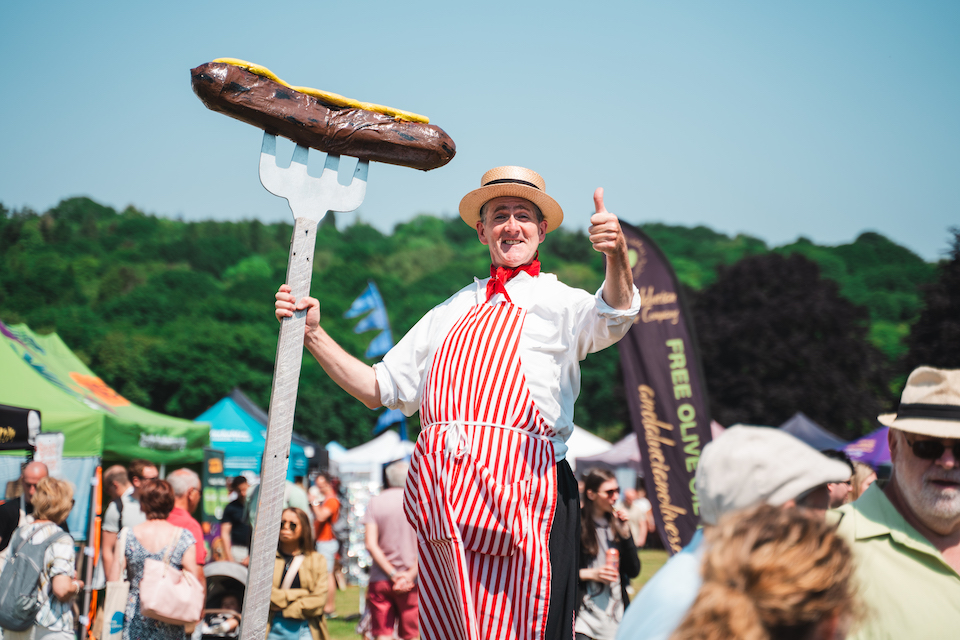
(182, 480)
(396, 473)
(536, 211)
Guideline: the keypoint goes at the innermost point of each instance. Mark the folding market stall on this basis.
(42, 373)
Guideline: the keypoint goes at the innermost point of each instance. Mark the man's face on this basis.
(838, 493)
(931, 488)
(115, 490)
(149, 473)
(511, 231)
(31, 476)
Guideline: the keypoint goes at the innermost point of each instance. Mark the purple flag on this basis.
(872, 449)
(665, 392)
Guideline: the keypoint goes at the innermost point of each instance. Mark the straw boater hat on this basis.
(930, 404)
(511, 181)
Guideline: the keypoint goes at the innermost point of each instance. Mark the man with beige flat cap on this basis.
(494, 372)
(906, 536)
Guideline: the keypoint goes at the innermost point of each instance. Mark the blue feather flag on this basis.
(369, 300)
(391, 417)
(371, 303)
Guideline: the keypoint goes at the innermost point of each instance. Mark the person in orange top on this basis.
(326, 510)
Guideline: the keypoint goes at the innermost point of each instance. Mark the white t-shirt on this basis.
(562, 325)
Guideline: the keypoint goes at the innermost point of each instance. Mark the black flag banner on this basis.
(667, 398)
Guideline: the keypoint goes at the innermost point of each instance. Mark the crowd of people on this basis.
(149, 518)
(795, 543)
(801, 544)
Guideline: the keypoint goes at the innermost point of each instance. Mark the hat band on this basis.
(929, 411)
(512, 180)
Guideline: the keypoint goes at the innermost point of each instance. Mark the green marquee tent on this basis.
(41, 372)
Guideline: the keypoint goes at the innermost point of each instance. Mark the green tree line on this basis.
(174, 314)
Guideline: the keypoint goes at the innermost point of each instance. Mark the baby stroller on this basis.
(226, 584)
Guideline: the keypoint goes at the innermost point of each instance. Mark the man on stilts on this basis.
(494, 371)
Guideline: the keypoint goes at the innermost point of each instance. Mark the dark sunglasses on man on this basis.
(933, 449)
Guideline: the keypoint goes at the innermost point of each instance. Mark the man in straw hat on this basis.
(494, 371)
(907, 535)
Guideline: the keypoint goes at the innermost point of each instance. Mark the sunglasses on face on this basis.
(933, 449)
(289, 525)
(610, 492)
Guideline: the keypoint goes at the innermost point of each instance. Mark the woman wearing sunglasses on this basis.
(299, 582)
(608, 559)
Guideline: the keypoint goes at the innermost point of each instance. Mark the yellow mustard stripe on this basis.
(326, 96)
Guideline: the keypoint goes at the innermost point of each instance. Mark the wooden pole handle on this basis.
(283, 404)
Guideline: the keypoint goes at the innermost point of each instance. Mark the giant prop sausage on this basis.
(321, 120)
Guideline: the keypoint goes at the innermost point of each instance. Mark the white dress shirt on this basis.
(562, 326)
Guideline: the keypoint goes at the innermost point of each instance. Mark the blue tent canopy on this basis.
(310, 449)
(242, 439)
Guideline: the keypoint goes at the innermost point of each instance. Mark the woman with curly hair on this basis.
(58, 586)
(773, 574)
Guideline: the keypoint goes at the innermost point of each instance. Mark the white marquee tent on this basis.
(583, 444)
(365, 462)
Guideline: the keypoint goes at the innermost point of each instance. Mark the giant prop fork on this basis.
(310, 198)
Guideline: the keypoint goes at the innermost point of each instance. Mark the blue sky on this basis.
(820, 118)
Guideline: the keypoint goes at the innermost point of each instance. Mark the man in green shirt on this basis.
(906, 536)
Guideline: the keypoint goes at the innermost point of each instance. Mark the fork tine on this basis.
(352, 195)
(332, 163)
(269, 171)
(269, 145)
(300, 154)
(360, 173)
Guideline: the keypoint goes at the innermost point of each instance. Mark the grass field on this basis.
(343, 627)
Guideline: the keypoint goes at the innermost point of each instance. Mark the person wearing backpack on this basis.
(38, 577)
(124, 511)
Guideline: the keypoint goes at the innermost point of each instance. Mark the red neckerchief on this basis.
(499, 276)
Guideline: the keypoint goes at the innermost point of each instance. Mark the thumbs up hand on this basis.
(607, 238)
(605, 232)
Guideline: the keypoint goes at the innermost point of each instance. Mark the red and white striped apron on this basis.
(482, 487)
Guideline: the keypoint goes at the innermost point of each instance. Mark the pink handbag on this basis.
(168, 594)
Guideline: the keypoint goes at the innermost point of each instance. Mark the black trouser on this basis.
(564, 556)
